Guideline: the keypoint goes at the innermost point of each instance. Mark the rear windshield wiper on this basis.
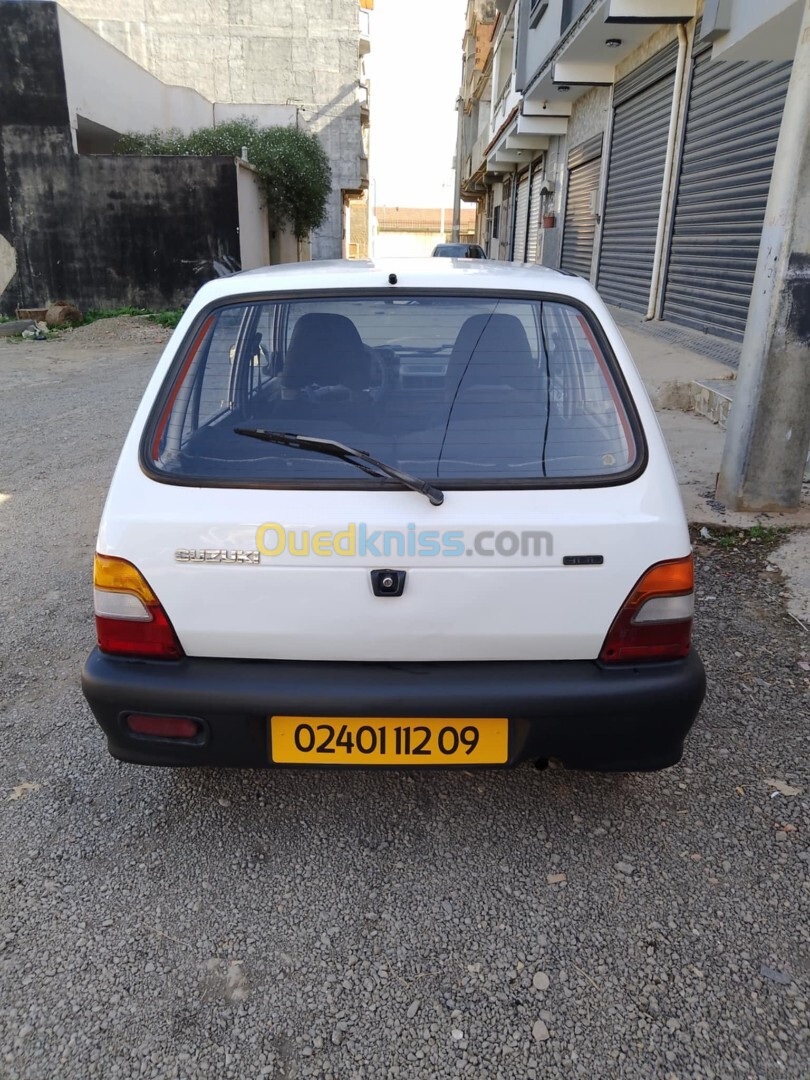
(348, 454)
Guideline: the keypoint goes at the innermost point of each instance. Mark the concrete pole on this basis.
(456, 234)
(769, 426)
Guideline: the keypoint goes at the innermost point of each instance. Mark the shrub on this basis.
(293, 168)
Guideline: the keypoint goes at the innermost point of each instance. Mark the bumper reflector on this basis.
(164, 727)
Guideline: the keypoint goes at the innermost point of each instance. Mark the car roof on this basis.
(415, 273)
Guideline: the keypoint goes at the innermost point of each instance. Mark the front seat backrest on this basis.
(493, 351)
(326, 350)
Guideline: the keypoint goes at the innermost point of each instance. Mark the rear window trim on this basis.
(167, 389)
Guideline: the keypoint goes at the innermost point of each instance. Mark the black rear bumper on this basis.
(587, 715)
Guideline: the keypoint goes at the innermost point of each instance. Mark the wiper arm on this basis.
(348, 454)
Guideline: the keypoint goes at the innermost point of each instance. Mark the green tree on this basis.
(293, 168)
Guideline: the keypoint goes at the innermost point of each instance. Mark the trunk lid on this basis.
(488, 575)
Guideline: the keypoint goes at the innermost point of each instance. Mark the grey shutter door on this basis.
(732, 125)
(506, 221)
(521, 222)
(579, 223)
(642, 106)
(534, 214)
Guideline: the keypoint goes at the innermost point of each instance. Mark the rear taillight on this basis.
(129, 618)
(655, 621)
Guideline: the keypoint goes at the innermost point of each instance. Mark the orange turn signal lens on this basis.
(673, 578)
(118, 575)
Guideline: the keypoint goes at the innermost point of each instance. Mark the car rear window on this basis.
(460, 389)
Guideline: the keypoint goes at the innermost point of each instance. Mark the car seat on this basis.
(326, 350)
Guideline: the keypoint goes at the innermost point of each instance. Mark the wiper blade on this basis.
(348, 454)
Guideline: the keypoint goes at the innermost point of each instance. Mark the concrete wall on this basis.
(105, 86)
(102, 231)
(653, 44)
(284, 248)
(98, 230)
(32, 92)
(357, 231)
(302, 52)
(234, 50)
(743, 30)
(414, 244)
(267, 115)
(31, 66)
(254, 226)
(589, 115)
(541, 41)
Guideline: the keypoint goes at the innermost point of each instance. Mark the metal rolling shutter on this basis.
(735, 110)
(521, 216)
(579, 224)
(506, 220)
(534, 214)
(642, 105)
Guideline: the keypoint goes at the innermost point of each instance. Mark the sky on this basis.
(415, 72)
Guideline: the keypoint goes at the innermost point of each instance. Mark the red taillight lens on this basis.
(164, 727)
(129, 618)
(655, 621)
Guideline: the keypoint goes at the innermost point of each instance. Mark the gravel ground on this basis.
(115, 331)
(296, 924)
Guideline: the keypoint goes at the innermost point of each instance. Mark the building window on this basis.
(536, 12)
(571, 9)
(496, 222)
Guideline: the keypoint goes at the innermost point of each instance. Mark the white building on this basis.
(629, 141)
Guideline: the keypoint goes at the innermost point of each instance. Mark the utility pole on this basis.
(456, 234)
(769, 425)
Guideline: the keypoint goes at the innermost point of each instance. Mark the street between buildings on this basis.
(382, 924)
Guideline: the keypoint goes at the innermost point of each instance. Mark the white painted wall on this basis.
(105, 86)
(8, 263)
(408, 245)
(766, 30)
(543, 38)
(254, 228)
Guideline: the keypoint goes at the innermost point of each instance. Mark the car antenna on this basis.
(392, 279)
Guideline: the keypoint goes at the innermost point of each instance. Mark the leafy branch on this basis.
(294, 172)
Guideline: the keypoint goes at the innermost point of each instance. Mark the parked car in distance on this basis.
(459, 251)
(399, 513)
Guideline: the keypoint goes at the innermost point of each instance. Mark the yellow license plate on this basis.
(380, 740)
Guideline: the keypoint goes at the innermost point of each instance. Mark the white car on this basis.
(395, 513)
